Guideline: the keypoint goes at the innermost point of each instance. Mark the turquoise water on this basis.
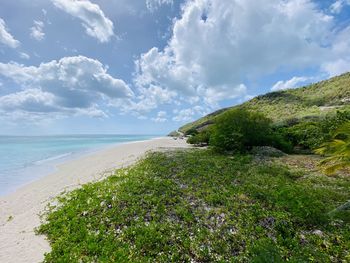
(27, 158)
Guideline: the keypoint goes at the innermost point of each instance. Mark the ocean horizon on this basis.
(24, 159)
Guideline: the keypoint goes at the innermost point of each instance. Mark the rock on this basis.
(303, 240)
(318, 233)
(174, 134)
(267, 151)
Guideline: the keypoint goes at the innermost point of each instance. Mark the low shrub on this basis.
(192, 131)
(239, 130)
(307, 135)
(201, 138)
(312, 134)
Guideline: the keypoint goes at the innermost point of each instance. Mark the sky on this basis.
(150, 66)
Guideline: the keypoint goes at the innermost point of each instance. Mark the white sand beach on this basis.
(19, 211)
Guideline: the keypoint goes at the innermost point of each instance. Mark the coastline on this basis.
(19, 211)
(35, 169)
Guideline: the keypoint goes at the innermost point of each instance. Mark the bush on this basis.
(192, 131)
(239, 130)
(200, 138)
(278, 141)
(307, 135)
(312, 134)
(330, 124)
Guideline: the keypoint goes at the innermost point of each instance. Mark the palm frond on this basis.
(337, 151)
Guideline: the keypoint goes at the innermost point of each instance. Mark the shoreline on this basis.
(19, 210)
(44, 167)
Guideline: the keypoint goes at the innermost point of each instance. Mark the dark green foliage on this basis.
(191, 132)
(239, 130)
(200, 206)
(307, 135)
(277, 140)
(201, 138)
(331, 123)
(312, 134)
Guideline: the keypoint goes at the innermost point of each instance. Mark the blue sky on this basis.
(149, 66)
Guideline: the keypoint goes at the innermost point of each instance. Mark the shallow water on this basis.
(27, 158)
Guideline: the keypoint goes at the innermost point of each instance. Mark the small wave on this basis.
(54, 158)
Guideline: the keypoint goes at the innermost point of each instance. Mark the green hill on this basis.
(313, 101)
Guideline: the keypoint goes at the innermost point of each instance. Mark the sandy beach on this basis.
(19, 211)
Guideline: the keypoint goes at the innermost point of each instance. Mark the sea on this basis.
(24, 159)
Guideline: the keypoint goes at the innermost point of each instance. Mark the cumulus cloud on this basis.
(71, 85)
(93, 19)
(36, 31)
(186, 115)
(161, 117)
(5, 37)
(24, 55)
(289, 84)
(147, 100)
(337, 67)
(155, 4)
(340, 62)
(338, 6)
(218, 45)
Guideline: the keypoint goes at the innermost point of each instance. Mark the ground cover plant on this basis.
(202, 206)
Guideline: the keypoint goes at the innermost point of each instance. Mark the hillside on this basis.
(315, 100)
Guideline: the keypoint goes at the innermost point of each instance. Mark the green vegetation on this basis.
(201, 206)
(238, 130)
(314, 101)
(312, 134)
(337, 150)
(200, 138)
(208, 205)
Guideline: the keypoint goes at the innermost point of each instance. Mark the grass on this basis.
(199, 206)
(316, 100)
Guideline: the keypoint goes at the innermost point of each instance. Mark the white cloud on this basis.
(93, 19)
(217, 45)
(147, 100)
(186, 115)
(24, 55)
(289, 84)
(71, 85)
(340, 61)
(31, 100)
(5, 37)
(338, 6)
(155, 4)
(337, 67)
(36, 31)
(161, 117)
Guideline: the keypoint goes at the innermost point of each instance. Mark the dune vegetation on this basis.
(202, 206)
(256, 194)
